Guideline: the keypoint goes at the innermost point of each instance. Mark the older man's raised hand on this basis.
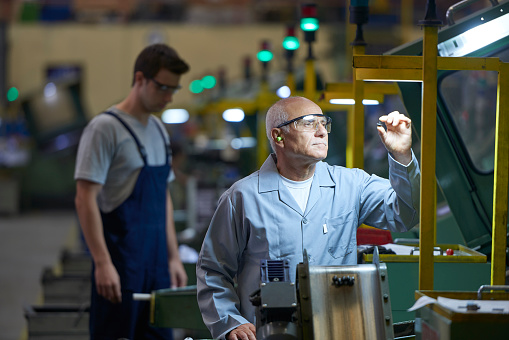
(398, 136)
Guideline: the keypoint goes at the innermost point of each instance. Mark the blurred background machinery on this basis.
(64, 61)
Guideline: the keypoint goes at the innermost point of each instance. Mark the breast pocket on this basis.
(341, 234)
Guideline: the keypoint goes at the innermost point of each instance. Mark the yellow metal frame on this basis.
(356, 139)
(257, 106)
(472, 257)
(152, 307)
(415, 68)
(500, 179)
(377, 66)
(355, 119)
(310, 80)
(266, 99)
(428, 204)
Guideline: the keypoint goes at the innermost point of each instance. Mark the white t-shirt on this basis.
(108, 154)
(299, 190)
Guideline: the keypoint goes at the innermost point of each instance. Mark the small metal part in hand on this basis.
(380, 123)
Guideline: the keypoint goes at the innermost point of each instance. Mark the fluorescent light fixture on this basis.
(243, 142)
(283, 92)
(352, 101)
(175, 116)
(233, 115)
(342, 101)
(62, 142)
(50, 90)
(397, 80)
(370, 102)
(475, 38)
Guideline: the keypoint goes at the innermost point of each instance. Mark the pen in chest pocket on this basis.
(325, 228)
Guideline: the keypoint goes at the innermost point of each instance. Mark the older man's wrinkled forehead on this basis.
(300, 106)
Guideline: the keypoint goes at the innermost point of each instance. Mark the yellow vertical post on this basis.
(261, 136)
(349, 135)
(356, 134)
(290, 82)
(263, 145)
(406, 14)
(500, 179)
(310, 80)
(428, 158)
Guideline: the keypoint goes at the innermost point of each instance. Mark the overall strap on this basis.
(141, 148)
(167, 145)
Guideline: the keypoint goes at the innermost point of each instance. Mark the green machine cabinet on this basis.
(466, 271)
(177, 307)
(437, 321)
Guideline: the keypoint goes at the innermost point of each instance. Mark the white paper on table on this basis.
(421, 302)
(460, 306)
(485, 306)
(400, 249)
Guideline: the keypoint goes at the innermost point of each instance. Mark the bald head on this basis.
(281, 112)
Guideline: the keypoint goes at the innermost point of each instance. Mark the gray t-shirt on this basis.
(108, 154)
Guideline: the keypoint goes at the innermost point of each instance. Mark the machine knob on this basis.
(343, 281)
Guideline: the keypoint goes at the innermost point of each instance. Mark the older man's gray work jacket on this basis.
(258, 218)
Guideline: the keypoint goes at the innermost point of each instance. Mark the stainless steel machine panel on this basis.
(358, 310)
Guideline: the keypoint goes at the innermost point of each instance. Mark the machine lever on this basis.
(487, 288)
(142, 297)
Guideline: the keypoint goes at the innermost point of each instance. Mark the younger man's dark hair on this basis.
(155, 57)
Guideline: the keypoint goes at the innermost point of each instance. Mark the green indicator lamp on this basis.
(264, 56)
(309, 21)
(291, 43)
(309, 24)
(208, 82)
(196, 86)
(12, 94)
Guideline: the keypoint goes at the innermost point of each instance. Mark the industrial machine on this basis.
(277, 314)
(326, 302)
(359, 302)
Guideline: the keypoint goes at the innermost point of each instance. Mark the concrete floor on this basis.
(29, 242)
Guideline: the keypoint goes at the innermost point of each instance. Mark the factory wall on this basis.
(106, 54)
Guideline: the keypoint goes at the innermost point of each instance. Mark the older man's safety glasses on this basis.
(309, 123)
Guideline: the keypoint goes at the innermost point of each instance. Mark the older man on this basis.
(296, 202)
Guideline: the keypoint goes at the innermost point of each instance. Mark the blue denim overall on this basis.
(135, 233)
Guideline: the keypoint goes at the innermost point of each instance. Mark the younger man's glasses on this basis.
(166, 88)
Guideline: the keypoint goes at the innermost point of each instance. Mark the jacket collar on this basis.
(269, 179)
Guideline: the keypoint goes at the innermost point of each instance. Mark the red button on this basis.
(449, 251)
